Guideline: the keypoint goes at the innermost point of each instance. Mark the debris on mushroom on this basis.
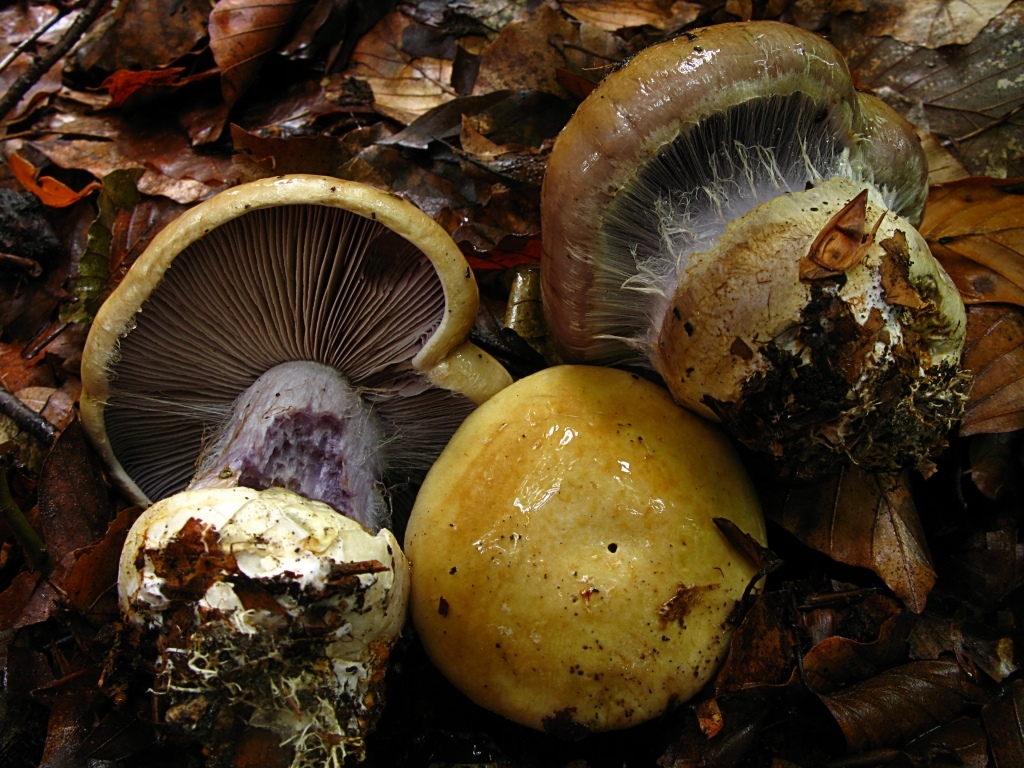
(727, 210)
(567, 570)
(268, 610)
(302, 332)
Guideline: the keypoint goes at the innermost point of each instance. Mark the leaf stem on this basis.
(35, 548)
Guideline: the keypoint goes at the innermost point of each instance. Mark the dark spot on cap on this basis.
(442, 607)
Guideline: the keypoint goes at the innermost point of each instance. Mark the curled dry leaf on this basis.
(970, 95)
(902, 703)
(836, 660)
(404, 86)
(975, 228)
(864, 519)
(994, 353)
(242, 34)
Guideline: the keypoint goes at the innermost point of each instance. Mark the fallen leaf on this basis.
(49, 190)
(902, 703)
(975, 228)
(74, 506)
(837, 661)
(933, 23)
(90, 281)
(243, 33)
(1004, 723)
(962, 740)
(763, 649)
(994, 353)
(523, 56)
(971, 96)
(864, 519)
(619, 14)
(404, 86)
(988, 565)
(144, 34)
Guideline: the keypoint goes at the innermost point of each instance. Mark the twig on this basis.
(29, 41)
(27, 420)
(41, 64)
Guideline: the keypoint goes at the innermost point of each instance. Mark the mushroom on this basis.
(567, 572)
(728, 211)
(268, 604)
(301, 332)
(276, 372)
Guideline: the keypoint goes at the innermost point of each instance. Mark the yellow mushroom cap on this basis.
(567, 570)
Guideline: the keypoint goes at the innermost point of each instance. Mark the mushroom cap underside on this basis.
(281, 269)
(687, 136)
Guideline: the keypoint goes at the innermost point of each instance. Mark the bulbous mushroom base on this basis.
(264, 609)
(814, 350)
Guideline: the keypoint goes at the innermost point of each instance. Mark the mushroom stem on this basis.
(303, 427)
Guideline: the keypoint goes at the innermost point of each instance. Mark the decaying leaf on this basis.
(930, 23)
(994, 353)
(49, 190)
(91, 279)
(404, 86)
(971, 95)
(975, 228)
(895, 706)
(867, 520)
(242, 34)
(841, 243)
(620, 14)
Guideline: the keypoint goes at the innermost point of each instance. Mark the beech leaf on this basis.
(404, 86)
(242, 34)
(994, 353)
(1004, 722)
(867, 520)
(969, 95)
(975, 228)
(902, 703)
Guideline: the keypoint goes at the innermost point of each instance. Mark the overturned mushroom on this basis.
(266, 606)
(305, 337)
(727, 210)
(567, 569)
(299, 332)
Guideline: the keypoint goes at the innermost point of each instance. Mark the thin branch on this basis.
(27, 420)
(41, 64)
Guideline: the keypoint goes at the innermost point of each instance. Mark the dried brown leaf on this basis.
(975, 228)
(242, 34)
(994, 353)
(525, 57)
(931, 23)
(619, 14)
(404, 86)
(864, 519)
(971, 96)
(1004, 722)
(144, 34)
(836, 661)
(74, 504)
(902, 703)
(764, 647)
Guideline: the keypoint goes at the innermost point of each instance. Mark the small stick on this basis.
(27, 420)
(41, 64)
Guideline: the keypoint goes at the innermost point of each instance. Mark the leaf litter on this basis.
(888, 624)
